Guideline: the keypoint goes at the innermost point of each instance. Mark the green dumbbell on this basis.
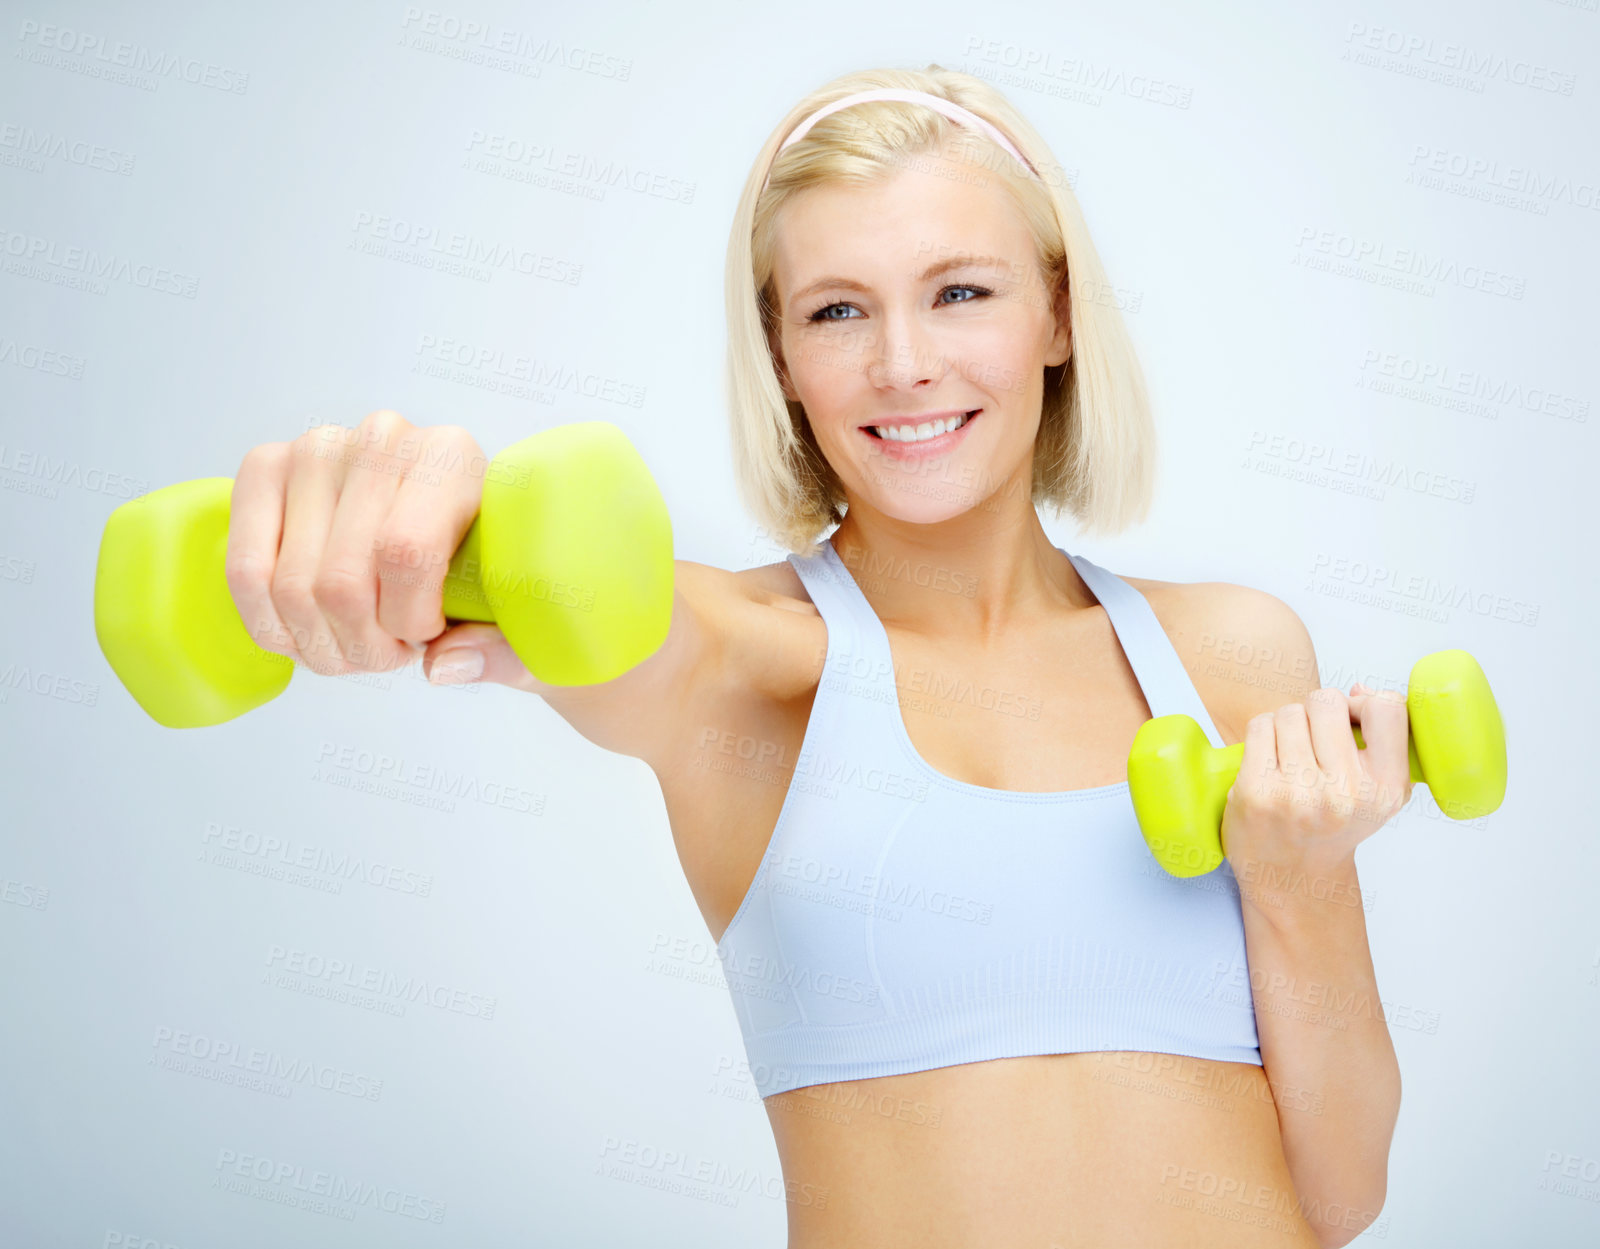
(570, 554)
(1179, 782)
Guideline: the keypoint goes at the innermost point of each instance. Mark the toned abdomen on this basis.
(1061, 1151)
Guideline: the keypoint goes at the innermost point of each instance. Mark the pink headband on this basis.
(951, 110)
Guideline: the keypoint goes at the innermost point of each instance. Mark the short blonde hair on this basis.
(1095, 451)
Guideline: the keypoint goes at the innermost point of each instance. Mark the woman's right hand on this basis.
(338, 542)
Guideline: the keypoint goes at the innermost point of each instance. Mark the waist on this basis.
(1061, 1150)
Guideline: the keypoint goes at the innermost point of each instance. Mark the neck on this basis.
(965, 580)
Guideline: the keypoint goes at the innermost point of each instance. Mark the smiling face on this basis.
(903, 308)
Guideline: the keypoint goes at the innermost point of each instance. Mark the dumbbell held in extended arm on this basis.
(570, 555)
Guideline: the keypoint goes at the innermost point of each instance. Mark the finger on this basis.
(1258, 767)
(1386, 728)
(437, 500)
(450, 659)
(312, 496)
(346, 588)
(255, 528)
(1297, 761)
(1328, 719)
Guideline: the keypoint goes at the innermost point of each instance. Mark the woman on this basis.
(977, 1011)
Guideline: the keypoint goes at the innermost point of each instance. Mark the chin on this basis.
(919, 500)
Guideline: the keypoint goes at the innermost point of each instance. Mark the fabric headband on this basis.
(953, 111)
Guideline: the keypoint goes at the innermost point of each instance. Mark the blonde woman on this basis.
(894, 763)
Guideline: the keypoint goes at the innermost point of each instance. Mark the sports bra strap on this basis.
(1155, 662)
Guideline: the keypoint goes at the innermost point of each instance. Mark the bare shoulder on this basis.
(1246, 650)
(735, 638)
(773, 640)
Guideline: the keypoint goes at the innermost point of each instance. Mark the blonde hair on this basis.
(1095, 450)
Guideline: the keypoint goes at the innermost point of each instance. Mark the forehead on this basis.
(887, 232)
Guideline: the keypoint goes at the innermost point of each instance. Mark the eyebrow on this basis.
(932, 271)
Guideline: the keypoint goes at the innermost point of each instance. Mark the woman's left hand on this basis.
(1306, 796)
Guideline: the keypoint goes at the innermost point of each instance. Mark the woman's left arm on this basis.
(1304, 798)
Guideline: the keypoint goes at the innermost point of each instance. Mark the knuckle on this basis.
(454, 447)
(385, 418)
(315, 443)
(384, 429)
(247, 574)
(454, 435)
(266, 458)
(291, 592)
(338, 588)
(1256, 797)
(408, 548)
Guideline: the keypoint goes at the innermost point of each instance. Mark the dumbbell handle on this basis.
(1220, 768)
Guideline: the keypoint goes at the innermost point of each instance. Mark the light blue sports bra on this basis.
(903, 920)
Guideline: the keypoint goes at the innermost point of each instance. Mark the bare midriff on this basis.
(1057, 1151)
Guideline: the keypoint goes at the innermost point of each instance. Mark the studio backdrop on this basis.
(385, 963)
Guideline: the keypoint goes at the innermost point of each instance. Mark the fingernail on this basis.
(458, 667)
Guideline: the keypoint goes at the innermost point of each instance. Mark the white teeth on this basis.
(920, 433)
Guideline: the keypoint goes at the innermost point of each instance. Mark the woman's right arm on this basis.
(337, 546)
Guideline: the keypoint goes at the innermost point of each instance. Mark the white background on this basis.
(1404, 455)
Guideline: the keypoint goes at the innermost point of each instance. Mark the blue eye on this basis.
(979, 292)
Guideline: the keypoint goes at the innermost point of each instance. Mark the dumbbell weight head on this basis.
(1458, 739)
(163, 615)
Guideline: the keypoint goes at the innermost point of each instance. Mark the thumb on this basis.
(471, 652)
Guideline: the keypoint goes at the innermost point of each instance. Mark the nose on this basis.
(905, 351)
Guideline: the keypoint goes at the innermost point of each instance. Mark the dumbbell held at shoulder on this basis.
(562, 541)
(1455, 743)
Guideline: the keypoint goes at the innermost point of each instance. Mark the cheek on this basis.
(1003, 361)
(830, 364)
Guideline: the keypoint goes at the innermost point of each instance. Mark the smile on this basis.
(932, 437)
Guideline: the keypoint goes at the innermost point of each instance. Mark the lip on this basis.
(922, 450)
